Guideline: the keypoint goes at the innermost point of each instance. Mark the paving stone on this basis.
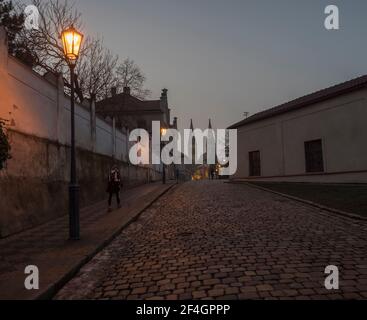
(215, 293)
(139, 291)
(212, 240)
(199, 294)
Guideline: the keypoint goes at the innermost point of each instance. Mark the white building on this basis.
(321, 137)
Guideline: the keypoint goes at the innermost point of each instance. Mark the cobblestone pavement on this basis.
(214, 240)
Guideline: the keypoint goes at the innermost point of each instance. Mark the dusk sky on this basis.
(221, 58)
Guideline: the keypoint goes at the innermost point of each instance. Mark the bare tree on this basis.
(130, 75)
(12, 20)
(97, 70)
(45, 43)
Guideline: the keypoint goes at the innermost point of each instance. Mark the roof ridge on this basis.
(306, 100)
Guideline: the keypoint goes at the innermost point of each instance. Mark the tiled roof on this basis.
(307, 100)
(126, 102)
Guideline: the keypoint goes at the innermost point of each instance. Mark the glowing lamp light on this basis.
(72, 42)
(163, 132)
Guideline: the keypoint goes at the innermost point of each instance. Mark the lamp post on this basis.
(72, 40)
(163, 133)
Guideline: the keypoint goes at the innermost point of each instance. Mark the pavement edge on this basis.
(311, 203)
(54, 288)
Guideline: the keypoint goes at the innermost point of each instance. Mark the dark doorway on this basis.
(255, 164)
(314, 156)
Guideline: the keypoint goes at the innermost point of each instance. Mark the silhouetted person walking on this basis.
(114, 186)
(212, 173)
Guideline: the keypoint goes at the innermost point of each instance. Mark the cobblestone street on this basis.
(214, 240)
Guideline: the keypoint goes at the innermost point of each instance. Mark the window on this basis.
(314, 157)
(255, 164)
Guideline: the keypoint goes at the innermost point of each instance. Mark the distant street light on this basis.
(163, 133)
(72, 41)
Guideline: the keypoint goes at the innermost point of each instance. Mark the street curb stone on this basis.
(311, 203)
(54, 288)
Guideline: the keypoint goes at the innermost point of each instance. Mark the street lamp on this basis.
(72, 41)
(163, 133)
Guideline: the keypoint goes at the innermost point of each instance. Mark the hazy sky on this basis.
(220, 58)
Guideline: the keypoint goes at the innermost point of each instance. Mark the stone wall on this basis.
(34, 184)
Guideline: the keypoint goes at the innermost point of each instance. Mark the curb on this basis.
(311, 203)
(54, 288)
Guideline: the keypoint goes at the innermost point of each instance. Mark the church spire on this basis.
(210, 124)
(193, 141)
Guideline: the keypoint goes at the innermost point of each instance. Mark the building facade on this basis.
(128, 113)
(131, 113)
(320, 137)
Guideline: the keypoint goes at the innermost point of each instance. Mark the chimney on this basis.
(164, 100)
(127, 90)
(175, 122)
(113, 91)
(164, 93)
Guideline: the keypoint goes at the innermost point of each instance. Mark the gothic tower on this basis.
(193, 146)
(211, 139)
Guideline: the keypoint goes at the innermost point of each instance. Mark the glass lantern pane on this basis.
(77, 44)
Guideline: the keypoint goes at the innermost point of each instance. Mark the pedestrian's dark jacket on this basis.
(114, 181)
